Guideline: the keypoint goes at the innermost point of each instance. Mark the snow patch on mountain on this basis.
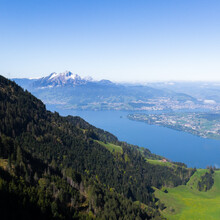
(53, 75)
(66, 78)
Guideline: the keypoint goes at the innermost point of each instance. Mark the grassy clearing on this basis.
(186, 202)
(160, 162)
(111, 147)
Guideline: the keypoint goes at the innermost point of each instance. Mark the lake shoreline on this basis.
(174, 145)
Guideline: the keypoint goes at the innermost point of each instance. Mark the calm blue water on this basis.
(174, 145)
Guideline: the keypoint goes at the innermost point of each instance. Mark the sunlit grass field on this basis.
(161, 163)
(111, 147)
(186, 202)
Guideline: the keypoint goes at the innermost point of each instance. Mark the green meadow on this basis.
(186, 202)
(111, 147)
(161, 163)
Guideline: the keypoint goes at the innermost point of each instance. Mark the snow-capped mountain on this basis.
(69, 90)
(66, 78)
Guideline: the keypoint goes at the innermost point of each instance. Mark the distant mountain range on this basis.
(69, 90)
(66, 78)
(206, 91)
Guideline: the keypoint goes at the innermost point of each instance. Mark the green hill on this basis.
(54, 167)
(187, 202)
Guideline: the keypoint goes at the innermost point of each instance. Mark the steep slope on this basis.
(65, 167)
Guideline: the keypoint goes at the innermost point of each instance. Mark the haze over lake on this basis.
(175, 145)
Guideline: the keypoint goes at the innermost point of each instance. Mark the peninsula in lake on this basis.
(205, 125)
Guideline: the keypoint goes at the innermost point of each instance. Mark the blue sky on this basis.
(123, 40)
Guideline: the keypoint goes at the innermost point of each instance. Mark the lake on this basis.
(175, 145)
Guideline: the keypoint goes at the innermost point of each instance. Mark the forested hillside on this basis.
(55, 167)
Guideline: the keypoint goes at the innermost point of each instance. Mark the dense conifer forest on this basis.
(54, 167)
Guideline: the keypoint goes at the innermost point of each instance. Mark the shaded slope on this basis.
(31, 135)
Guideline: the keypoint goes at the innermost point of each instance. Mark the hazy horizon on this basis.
(123, 41)
(124, 81)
